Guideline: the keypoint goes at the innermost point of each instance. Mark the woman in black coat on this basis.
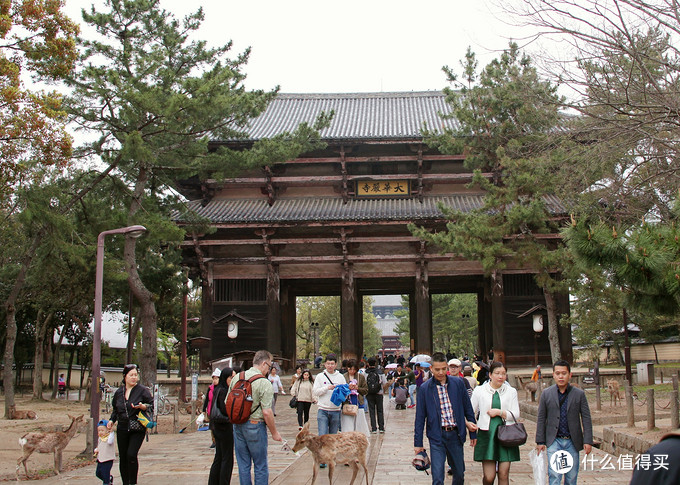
(223, 464)
(128, 400)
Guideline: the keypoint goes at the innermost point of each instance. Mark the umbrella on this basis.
(420, 358)
(391, 366)
(424, 364)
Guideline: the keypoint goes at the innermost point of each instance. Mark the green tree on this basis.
(507, 117)
(454, 323)
(154, 98)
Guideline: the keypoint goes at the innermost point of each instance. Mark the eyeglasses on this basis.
(129, 367)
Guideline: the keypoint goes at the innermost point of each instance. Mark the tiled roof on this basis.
(357, 116)
(257, 211)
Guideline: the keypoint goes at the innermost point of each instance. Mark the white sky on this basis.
(314, 46)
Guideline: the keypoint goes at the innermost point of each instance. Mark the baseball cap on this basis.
(421, 461)
(455, 362)
(103, 422)
(216, 372)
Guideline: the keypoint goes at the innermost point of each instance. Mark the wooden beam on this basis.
(339, 258)
(307, 240)
(399, 158)
(314, 180)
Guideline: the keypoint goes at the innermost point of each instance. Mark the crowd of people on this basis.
(454, 399)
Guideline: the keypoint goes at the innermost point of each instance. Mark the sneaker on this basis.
(382, 431)
(411, 406)
(450, 472)
(322, 465)
(374, 431)
(299, 428)
(110, 479)
(212, 446)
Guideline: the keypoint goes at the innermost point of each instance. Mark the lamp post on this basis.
(538, 328)
(315, 333)
(132, 231)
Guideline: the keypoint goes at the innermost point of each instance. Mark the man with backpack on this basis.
(249, 407)
(376, 384)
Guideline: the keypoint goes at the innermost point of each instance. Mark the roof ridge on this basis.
(390, 94)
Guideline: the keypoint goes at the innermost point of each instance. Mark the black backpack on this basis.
(373, 381)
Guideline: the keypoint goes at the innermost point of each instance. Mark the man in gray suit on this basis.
(561, 411)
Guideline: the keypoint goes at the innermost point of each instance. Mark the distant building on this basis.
(384, 308)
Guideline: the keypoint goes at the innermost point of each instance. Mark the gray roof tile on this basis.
(257, 211)
(357, 116)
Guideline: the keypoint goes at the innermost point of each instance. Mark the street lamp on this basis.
(315, 333)
(132, 231)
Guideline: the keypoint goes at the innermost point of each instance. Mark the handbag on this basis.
(350, 409)
(216, 415)
(511, 434)
(293, 402)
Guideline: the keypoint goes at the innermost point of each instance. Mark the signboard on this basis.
(588, 380)
(194, 387)
(384, 188)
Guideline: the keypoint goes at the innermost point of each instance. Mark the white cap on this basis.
(455, 362)
(216, 372)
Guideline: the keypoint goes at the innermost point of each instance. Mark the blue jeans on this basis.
(250, 446)
(570, 477)
(328, 422)
(449, 449)
(412, 393)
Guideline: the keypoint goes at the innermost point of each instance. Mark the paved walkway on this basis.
(186, 458)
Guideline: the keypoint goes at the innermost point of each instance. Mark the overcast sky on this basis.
(314, 46)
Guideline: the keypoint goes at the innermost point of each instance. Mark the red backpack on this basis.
(240, 399)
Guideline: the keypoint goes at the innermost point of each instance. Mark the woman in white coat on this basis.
(493, 402)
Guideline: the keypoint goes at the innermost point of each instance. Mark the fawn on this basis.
(613, 388)
(332, 449)
(14, 414)
(48, 442)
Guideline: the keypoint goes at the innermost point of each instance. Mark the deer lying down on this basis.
(334, 449)
(48, 442)
(14, 414)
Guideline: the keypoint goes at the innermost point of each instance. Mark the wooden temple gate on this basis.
(334, 222)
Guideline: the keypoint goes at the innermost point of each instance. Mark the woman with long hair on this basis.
(128, 401)
(493, 402)
(223, 464)
(302, 390)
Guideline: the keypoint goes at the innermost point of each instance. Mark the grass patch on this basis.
(657, 388)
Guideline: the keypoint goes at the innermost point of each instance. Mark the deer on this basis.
(529, 387)
(14, 414)
(343, 448)
(48, 442)
(613, 388)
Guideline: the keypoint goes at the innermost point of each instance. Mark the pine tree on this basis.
(508, 118)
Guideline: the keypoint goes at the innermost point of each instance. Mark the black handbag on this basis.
(293, 402)
(511, 434)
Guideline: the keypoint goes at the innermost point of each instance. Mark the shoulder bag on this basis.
(511, 434)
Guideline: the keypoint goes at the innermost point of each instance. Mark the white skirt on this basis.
(355, 423)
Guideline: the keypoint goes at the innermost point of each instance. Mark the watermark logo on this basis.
(561, 462)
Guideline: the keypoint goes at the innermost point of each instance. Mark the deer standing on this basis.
(613, 388)
(529, 388)
(48, 442)
(347, 447)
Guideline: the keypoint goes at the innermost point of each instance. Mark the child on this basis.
(400, 394)
(105, 452)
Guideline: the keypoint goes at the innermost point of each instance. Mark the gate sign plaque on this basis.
(383, 188)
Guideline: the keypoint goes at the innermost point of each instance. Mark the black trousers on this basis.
(223, 464)
(129, 443)
(103, 471)
(375, 406)
(303, 412)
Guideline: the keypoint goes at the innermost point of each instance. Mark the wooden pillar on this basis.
(481, 322)
(423, 338)
(351, 333)
(273, 309)
(413, 322)
(497, 317)
(207, 317)
(288, 328)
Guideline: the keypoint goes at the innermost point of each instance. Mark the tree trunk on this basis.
(553, 326)
(70, 365)
(40, 336)
(55, 365)
(147, 315)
